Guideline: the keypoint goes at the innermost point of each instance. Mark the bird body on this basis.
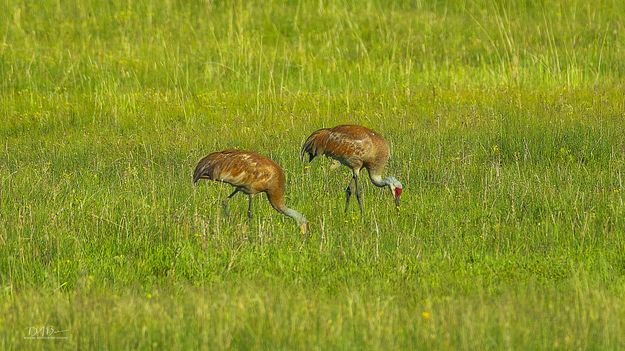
(356, 147)
(248, 171)
(251, 173)
(352, 145)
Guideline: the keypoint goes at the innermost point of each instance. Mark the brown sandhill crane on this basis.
(356, 147)
(250, 173)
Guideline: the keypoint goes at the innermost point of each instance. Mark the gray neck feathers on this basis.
(294, 214)
(379, 181)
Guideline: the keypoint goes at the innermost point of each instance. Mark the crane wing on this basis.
(336, 144)
(239, 168)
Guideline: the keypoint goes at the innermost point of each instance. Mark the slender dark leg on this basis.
(224, 203)
(249, 208)
(358, 193)
(348, 193)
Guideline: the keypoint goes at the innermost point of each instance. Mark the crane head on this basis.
(396, 189)
(303, 228)
(397, 196)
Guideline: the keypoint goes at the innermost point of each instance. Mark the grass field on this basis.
(507, 125)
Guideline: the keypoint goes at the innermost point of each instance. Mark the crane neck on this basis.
(277, 202)
(378, 181)
(298, 217)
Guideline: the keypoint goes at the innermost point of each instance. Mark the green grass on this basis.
(507, 125)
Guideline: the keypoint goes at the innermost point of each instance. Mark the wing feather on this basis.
(315, 145)
(244, 169)
(348, 144)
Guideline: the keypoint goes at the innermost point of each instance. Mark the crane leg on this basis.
(249, 208)
(358, 193)
(224, 203)
(348, 193)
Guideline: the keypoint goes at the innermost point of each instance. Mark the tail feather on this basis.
(198, 173)
(204, 169)
(314, 145)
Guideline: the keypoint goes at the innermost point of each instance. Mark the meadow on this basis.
(507, 126)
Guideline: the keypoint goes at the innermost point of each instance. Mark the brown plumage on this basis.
(251, 173)
(356, 147)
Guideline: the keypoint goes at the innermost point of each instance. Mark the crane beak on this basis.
(304, 228)
(397, 202)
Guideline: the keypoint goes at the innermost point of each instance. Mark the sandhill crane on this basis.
(250, 173)
(356, 147)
